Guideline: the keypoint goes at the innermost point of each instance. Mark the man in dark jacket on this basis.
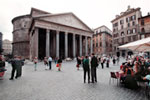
(14, 68)
(94, 64)
(17, 64)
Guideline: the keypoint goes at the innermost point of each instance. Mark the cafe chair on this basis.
(114, 76)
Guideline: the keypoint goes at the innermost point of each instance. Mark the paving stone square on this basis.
(64, 85)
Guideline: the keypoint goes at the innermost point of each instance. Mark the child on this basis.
(35, 63)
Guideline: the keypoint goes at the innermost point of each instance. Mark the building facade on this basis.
(144, 26)
(102, 41)
(42, 34)
(125, 28)
(7, 47)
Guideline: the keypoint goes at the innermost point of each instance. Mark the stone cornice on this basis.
(60, 27)
(18, 17)
(126, 13)
(104, 32)
(20, 42)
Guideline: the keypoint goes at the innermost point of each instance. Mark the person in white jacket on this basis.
(50, 63)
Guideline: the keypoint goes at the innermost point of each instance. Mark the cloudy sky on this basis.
(94, 13)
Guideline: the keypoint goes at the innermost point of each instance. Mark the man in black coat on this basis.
(94, 64)
(17, 64)
(14, 68)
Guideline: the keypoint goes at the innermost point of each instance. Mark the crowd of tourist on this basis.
(48, 63)
(136, 69)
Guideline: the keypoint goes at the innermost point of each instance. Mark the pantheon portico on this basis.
(56, 35)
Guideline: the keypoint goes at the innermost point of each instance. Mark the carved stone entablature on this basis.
(58, 27)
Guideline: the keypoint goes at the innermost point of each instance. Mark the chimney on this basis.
(121, 13)
(117, 16)
(128, 7)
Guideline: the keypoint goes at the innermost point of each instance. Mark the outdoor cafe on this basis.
(135, 72)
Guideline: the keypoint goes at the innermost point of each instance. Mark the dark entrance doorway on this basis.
(42, 44)
(53, 43)
(123, 53)
(70, 45)
(130, 53)
(62, 45)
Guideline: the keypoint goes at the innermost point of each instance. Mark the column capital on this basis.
(47, 30)
(57, 31)
(66, 32)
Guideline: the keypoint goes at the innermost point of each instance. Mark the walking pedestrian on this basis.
(78, 62)
(46, 63)
(86, 69)
(107, 62)
(19, 64)
(114, 60)
(102, 62)
(94, 64)
(59, 63)
(14, 68)
(35, 63)
(50, 62)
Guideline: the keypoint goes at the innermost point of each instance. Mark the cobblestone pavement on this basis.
(65, 85)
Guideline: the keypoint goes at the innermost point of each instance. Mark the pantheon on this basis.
(43, 34)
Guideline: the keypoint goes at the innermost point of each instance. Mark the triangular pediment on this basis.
(67, 19)
(37, 12)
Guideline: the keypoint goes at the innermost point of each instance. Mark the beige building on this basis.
(125, 28)
(102, 41)
(7, 47)
(144, 26)
(43, 34)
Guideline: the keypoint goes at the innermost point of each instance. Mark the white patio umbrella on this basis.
(139, 45)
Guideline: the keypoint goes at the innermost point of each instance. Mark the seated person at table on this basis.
(122, 66)
(130, 81)
(136, 69)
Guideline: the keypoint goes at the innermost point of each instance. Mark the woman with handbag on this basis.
(59, 63)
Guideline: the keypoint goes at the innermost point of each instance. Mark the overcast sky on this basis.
(94, 13)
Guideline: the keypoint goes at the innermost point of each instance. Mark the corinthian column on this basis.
(66, 44)
(47, 43)
(86, 46)
(91, 45)
(74, 46)
(80, 45)
(57, 44)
